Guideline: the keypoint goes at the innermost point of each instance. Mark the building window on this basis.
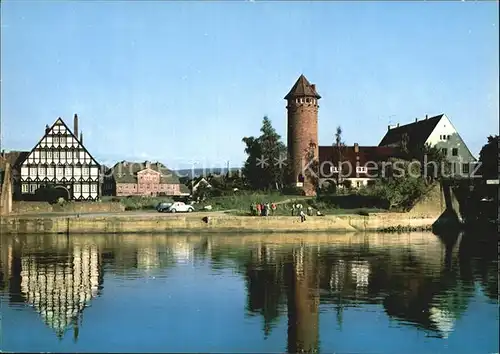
(454, 152)
(32, 171)
(465, 168)
(43, 154)
(67, 171)
(24, 188)
(444, 151)
(85, 171)
(50, 171)
(360, 169)
(62, 140)
(93, 188)
(41, 171)
(56, 154)
(448, 137)
(75, 154)
(33, 188)
(59, 171)
(49, 154)
(85, 188)
(76, 188)
(68, 155)
(358, 184)
(56, 140)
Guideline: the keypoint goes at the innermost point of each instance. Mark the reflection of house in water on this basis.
(182, 251)
(409, 280)
(148, 258)
(59, 289)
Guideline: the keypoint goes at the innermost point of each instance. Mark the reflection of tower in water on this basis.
(302, 282)
(59, 290)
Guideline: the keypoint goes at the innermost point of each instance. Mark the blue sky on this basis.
(183, 82)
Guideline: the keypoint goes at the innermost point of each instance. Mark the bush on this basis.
(293, 191)
(400, 193)
(143, 203)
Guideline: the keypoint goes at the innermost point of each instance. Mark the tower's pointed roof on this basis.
(302, 88)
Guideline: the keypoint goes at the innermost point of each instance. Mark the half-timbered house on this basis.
(60, 160)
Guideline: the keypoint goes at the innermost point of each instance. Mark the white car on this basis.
(178, 207)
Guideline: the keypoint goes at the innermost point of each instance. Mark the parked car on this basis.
(163, 207)
(179, 207)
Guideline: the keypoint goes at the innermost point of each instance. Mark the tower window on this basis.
(308, 100)
(454, 152)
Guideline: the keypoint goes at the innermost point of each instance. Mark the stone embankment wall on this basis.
(199, 222)
(71, 207)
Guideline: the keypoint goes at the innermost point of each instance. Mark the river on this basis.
(365, 293)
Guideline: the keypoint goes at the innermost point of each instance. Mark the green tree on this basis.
(261, 169)
(432, 160)
(401, 185)
(489, 158)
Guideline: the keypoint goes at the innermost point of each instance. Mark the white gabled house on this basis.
(438, 132)
(198, 182)
(61, 160)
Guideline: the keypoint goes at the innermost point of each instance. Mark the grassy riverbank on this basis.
(240, 204)
(337, 205)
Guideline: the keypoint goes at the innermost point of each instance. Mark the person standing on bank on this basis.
(302, 216)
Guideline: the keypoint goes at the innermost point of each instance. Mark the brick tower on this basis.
(302, 107)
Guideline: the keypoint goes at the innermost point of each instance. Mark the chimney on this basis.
(388, 127)
(75, 125)
(397, 125)
(148, 164)
(416, 120)
(81, 138)
(426, 116)
(356, 148)
(47, 129)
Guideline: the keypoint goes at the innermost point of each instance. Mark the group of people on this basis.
(297, 209)
(263, 209)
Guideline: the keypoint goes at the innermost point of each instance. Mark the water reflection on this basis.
(420, 280)
(58, 283)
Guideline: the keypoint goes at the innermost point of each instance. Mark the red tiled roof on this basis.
(365, 154)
